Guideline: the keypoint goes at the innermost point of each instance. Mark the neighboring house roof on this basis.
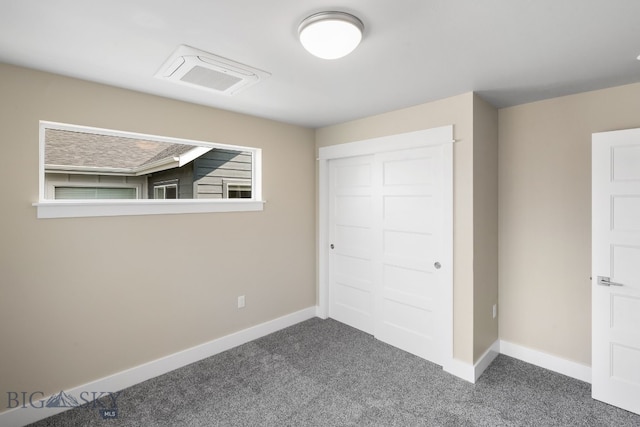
(69, 151)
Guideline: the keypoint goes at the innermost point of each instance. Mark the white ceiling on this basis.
(413, 51)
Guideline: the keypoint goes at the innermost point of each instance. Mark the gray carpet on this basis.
(323, 373)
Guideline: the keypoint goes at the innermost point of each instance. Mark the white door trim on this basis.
(425, 138)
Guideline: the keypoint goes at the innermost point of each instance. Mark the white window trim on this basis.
(73, 209)
(48, 208)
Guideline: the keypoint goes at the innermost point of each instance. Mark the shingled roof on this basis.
(78, 150)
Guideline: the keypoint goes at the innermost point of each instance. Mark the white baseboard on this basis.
(471, 373)
(21, 416)
(321, 313)
(460, 369)
(485, 360)
(544, 360)
(547, 361)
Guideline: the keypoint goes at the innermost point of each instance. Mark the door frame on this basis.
(440, 136)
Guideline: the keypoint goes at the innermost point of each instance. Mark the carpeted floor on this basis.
(323, 373)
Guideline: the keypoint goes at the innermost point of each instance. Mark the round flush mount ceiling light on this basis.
(330, 35)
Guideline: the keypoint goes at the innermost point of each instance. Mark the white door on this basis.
(410, 236)
(351, 237)
(386, 227)
(616, 268)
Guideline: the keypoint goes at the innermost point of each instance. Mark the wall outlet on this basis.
(241, 301)
(495, 310)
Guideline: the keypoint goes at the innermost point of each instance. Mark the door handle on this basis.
(606, 281)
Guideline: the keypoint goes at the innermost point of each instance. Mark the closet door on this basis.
(386, 222)
(351, 236)
(408, 240)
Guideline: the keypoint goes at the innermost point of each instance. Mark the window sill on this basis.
(92, 208)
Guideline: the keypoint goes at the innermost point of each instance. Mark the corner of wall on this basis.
(485, 226)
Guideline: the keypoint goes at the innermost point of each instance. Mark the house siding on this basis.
(218, 166)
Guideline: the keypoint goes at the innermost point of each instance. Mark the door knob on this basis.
(437, 265)
(605, 281)
(332, 246)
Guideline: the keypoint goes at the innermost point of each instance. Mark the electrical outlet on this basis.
(241, 301)
(495, 310)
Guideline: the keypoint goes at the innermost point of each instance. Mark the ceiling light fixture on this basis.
(330, 35)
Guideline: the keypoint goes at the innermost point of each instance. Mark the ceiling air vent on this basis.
(204, 70)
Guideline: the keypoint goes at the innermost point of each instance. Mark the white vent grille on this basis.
(211, 79)
(205, 70)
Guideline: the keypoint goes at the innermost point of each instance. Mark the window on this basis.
(81, 193)
(99, 172)
(237, 190)
(88, 187)
(165, 191)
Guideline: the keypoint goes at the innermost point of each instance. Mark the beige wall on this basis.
(545, 216)
(485, 225)
(457, 111)
(84, 298)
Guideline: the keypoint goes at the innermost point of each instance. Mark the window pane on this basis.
(63, 193)
(239, 191)
(171, 192)
(116, 193)
(77, 193)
